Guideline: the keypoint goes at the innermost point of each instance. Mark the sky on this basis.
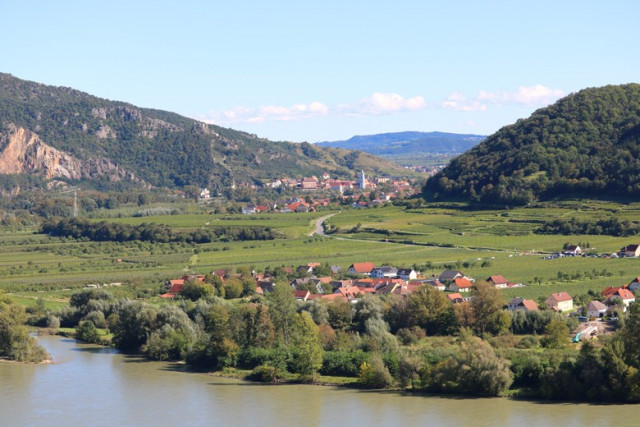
(327, 70)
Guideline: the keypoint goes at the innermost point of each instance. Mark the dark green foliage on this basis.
(611, 227)
(104, 231)
(586, 143)
(86, 331)
(343, 363)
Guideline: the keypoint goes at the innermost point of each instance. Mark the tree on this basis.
(282, 309)
(306, 340)
(431, 310)
(557, 334)
(194, 289)
(487, 307)
(374, 374)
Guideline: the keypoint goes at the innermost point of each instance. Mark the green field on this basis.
(480, 243)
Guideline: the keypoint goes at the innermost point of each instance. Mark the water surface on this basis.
(93, 385)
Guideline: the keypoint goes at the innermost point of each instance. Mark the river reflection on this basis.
(99, 386)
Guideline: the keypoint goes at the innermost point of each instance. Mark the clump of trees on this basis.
(15, 341)
(609, 226)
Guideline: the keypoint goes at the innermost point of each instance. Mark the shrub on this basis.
(374, 374)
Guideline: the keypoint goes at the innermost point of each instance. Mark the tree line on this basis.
(103, 231)
(608, 226)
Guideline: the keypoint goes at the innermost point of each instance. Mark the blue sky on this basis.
(287, 70)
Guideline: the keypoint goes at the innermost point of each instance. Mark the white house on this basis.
(596, 309)
(384, 272)
(407, 274)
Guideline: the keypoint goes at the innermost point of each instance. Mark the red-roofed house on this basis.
(361, 268)
(625, 295)
(560, 301)
(460, 285)
(301, 295)
(455, 298)
(498, 281)
(349, 292)
(518, 303)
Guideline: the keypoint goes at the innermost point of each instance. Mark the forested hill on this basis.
(587, 143)
(406, 143)
(58, 133)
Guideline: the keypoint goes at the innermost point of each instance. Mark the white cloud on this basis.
(376, 104)
(267, 113)
(537, 95)
(383, 103)
(457, 101)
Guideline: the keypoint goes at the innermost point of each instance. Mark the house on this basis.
(625, 295)
(455, 298)
(572, 250)
(407, 274)
(460, 285)
(611, 290)
(498, 281)
(335, 269)
(349, 292)
(596, 309)
(634, 284)
(301, 295)
(384, 272)
(304, 269)
(361, 268)
(450, 275)
(386, 288)
(309, 183)
(436, 284)
(249, 210)
(518, 303)
(631, 251)
(560, 301)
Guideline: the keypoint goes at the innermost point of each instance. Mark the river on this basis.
(91, 385)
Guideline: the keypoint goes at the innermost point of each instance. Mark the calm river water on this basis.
(89, 385)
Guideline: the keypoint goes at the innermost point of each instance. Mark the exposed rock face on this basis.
(24, 152)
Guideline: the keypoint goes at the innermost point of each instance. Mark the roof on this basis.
(405, 271)
(561, 296)
(450, 274)
(529, 304)
(611, 290)
(497, 280)
(596, 305)
(463, 283)
(362, 267)
(387, 269)
(625, 294)
(454, 297)
(632, 248)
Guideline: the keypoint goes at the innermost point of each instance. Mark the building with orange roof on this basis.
(560, 301)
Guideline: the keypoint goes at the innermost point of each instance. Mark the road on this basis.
(319, 225)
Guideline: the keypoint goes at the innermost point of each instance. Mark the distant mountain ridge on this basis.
(406, 143)
(59, 133)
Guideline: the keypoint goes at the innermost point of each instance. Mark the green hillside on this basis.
(587, 143)
(159, 148)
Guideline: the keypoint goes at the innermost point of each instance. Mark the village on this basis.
(324, 191)
(330, 283)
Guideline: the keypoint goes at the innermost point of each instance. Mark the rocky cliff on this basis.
(22, 151)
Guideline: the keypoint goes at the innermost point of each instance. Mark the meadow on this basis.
(480, 243)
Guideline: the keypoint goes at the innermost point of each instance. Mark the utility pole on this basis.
(75, 203)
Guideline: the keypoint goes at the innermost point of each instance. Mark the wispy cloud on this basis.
(267, 113)
(457, 101)
(537, 95)
(376, 104)
(383, 103)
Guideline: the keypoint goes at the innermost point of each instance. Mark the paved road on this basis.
(319, 225)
